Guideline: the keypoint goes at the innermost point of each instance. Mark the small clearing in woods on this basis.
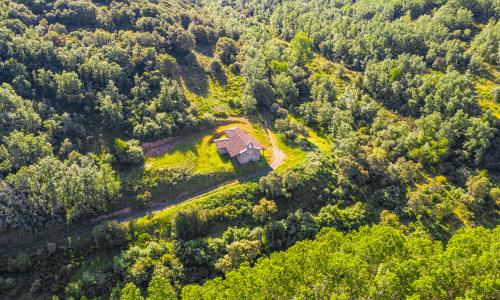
(191, 162)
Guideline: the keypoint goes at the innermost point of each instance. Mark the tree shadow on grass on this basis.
(193, 75)
(207, 50)
(488, 74)
(301, 143)
(221, 78)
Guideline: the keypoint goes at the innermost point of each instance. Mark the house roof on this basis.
(237, 141)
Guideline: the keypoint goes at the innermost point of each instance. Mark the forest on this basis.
(380, 178)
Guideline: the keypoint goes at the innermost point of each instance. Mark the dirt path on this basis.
(62, 235)
(278, 154)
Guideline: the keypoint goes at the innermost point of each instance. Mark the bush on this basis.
(495, 94)
(109, 235)
(21, 263)
(226, 50)
(203, 35)
(180, 40)
(6, 284)
(208, 119)
(264, 209)
(215, 68)
(128, 152)
(343, 219)
(188, 224)
(290, 128)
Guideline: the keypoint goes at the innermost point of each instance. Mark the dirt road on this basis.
(278, 154)
(65, 232)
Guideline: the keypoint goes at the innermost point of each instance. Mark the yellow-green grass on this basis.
(165, 216)
(294, 154)
(197, 156)
(219, 97)
(485, 82)
(220, 93)
(321, 142)
(322, 66)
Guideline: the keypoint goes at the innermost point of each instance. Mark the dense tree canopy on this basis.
(375, 262)
(383, 111)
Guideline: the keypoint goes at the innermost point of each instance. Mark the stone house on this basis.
(239, 145)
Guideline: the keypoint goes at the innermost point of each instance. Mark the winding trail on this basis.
(64, 233)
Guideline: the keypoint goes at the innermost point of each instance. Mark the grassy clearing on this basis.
(320, 142)
(341, 75)
(484, 84)
(194, 163)
(295, 153)
(211, 95)
(220, 98)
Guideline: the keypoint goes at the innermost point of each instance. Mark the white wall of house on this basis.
(248, 156)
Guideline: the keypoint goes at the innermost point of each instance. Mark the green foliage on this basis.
(131, 292)
(323, 89)
(290, 128)
(237, 253)
(278, 66)
(188, 224)
(264, 209)
(160, 289)
(226, 50)
(51, 192)
(394, 81)
(447, 94)
(16, 113)
(143, 262)
(388, 88)
(432, 203)
(285, 87)
(69, 87)
(495, 94)
(300, 51)
(376, 262)
(22, 150)
(129, 151)
(109, 236)
(216, 70)
(248, 103)
(204, 35)
(279, 235)
(180, 40)
(349, 218)
(485, 44)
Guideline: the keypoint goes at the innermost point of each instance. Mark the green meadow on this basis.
(194, 164)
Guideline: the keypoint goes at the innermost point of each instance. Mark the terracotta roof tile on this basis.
(237, 141)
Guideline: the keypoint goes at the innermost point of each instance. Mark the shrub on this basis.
(188, 224)
(109, 235)
(226, 50)
(128, 151)
(264, 209)
(215, 68)
(495, 94)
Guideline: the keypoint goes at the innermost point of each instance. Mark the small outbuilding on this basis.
(239, 145)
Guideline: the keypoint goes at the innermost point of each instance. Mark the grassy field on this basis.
(194, 164)
(295, 154)
(483, 87)
(208, 94)
(341, 75)
(220, 97)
